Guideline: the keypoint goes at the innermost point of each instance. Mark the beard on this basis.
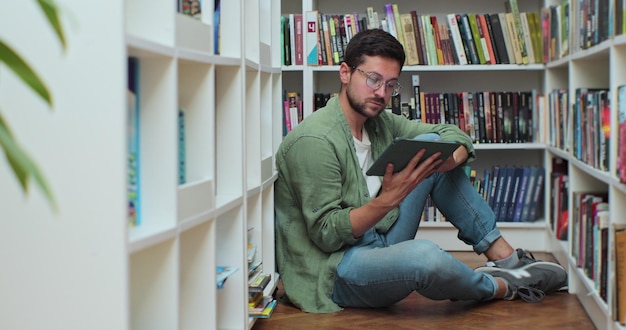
(364, 108)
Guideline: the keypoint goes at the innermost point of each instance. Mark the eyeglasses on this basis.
(374, 81)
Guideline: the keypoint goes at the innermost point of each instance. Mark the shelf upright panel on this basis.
(252, 131)
(154, 287)
(252, 26)
(232, 300)
(267, 127)
(197, 282)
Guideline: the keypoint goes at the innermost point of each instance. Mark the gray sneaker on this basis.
(530, 279)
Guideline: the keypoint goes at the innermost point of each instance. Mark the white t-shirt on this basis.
(364, 154)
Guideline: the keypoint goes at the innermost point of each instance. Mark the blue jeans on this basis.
(384, 268)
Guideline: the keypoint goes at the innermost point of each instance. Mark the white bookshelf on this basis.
(603, 65)
(83, 266)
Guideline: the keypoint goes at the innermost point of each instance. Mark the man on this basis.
(345, 239)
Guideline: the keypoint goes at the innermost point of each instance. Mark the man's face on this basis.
(363, 98)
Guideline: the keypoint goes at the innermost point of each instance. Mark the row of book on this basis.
(467, 38)
(584, 128)
(191, 8)
(486, 116)
(292, 111)
(259, 304)
(514, 193)
(585, 225)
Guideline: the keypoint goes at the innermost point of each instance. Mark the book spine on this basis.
(517, 19)
(527, 38)
(486, 27)
(415, 82)
(521, 195)
(469, 39)
(410, 45)
(493, 21)
(396, 19)
(299, 39)
(418, 40)
(133, 122)
(473, 26)
(312, 49)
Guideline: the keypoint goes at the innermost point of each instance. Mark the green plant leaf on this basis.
(23, 70)
(23, 167)
(50, 9)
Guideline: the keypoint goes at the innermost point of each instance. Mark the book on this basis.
(513, 39)
(217, 26)
(437, 37)
(415, 83)
(327, 40)
(133, 136)
(223, 272)
(266, 312)
(182, 155)
(512, 7)
(511, 195)
(401, 151)
(259, 304)
(298, 39)
(505, 178)
(419, 41)
(493, 20)
(286, 40)
(621, 133)
(457, 41)
(528, 196)
(506, 36)
(521, 195)
(477, 39)
(467, 37)
(292, 38)
(488, 33)
(620, 273)
(259, 282)
(527, 38)
(312, 35)
(410, 44)
(397, 20)
(392, 28)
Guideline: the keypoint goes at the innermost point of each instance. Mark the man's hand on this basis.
(395, 187)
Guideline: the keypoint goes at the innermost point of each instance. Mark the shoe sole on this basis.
(555, 266)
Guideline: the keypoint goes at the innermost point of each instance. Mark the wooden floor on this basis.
(557, 311)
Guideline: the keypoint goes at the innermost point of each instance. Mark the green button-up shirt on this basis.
(319, 182)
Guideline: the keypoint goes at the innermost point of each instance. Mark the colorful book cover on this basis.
(134, 218)
(621, 114)
(312, 36)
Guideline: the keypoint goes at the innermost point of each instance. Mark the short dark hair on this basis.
(373, 42)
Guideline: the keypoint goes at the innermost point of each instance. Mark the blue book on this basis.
(532, 213)
(530, 190)
(493, 186)
(499, 207)
(511, 196)
(521, 195)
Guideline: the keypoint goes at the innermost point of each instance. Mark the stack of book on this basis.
(260, 305)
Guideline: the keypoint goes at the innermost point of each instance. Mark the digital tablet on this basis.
(401, 151)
